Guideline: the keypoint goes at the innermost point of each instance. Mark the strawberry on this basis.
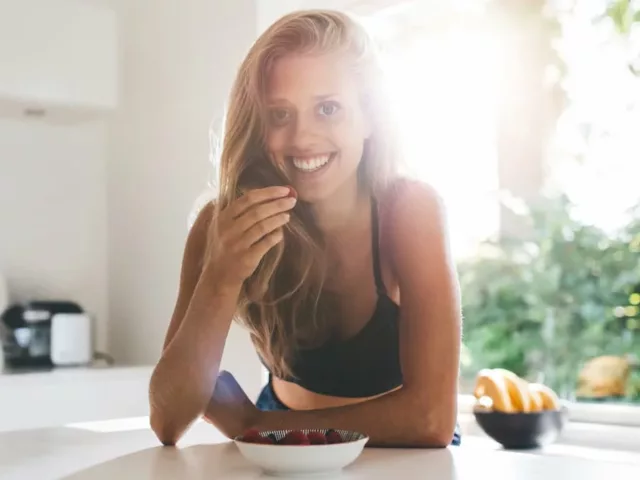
(251, 436)
(295, 437)
(317, 438)
(266, 441)
(333, 437)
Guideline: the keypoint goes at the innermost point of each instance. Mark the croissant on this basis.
(604, 376)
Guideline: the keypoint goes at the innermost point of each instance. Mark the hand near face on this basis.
(246, 230)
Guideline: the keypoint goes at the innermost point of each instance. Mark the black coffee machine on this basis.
(25, 333)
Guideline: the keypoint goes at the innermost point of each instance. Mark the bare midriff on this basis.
(299, 398)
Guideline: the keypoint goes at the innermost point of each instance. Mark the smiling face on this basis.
(316, 127)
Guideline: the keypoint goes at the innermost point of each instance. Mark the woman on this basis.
(339, 268)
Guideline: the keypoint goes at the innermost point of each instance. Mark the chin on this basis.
(312, 196)
(320, 191)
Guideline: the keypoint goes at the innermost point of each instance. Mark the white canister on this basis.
(4, 304)
(71, 341)
(4, 294)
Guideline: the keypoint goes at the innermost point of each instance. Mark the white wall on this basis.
(58, 52)
(178, 64)
(53, 213)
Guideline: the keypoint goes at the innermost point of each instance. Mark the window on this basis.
(560, 304)
(445, 114)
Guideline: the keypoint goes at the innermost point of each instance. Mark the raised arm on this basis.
(185, 374)
(219, 255)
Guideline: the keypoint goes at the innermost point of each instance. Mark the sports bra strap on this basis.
(375, 248)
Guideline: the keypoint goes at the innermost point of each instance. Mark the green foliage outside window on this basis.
(543, 305)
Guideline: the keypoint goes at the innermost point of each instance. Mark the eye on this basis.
(279, 116)
(327, 109)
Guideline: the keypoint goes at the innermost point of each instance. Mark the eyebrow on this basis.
(317, 98)
(324, 97)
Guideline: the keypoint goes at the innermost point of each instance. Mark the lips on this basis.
(311, 163)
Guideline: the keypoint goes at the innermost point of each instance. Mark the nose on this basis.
(304, 134)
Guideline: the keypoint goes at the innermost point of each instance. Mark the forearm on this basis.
(185, 375)
(398, 419)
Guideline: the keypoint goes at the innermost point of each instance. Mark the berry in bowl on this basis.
(301, 452)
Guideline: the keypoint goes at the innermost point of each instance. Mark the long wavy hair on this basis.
(283, 304)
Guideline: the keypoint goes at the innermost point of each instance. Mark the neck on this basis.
(340, 209)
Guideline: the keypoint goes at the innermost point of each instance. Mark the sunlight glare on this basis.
(444, 89)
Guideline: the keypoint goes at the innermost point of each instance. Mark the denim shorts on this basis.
(269, 401)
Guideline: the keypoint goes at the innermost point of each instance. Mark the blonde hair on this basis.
(283, 303)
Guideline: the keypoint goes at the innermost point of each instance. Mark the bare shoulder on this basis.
(197, 238)
(411, 205)
(412, 232)
(416, 229)
(202, 222)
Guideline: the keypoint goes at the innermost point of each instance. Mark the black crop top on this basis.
(366, 364)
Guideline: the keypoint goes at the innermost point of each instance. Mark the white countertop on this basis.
(72, 395)
(127, 448)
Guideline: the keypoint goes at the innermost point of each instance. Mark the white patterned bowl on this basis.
(303, 460)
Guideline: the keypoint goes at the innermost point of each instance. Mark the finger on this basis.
(255, 197)
(258, 250)
(263, 228)
(261, 212)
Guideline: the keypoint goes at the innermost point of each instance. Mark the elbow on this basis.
(160, 421)
(432, 439)
(166, 434)
(435, 434)
(157, 420)
(435, 440)
(169, 423)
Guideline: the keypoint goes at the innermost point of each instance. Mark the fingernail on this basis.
(292, 193)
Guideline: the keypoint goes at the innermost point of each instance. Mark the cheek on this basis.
(274, 141)
(350, 137)
(276, 144)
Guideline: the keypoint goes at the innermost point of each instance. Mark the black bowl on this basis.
(522, 430)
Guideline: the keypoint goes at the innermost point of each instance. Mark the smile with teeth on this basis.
(311, 163)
